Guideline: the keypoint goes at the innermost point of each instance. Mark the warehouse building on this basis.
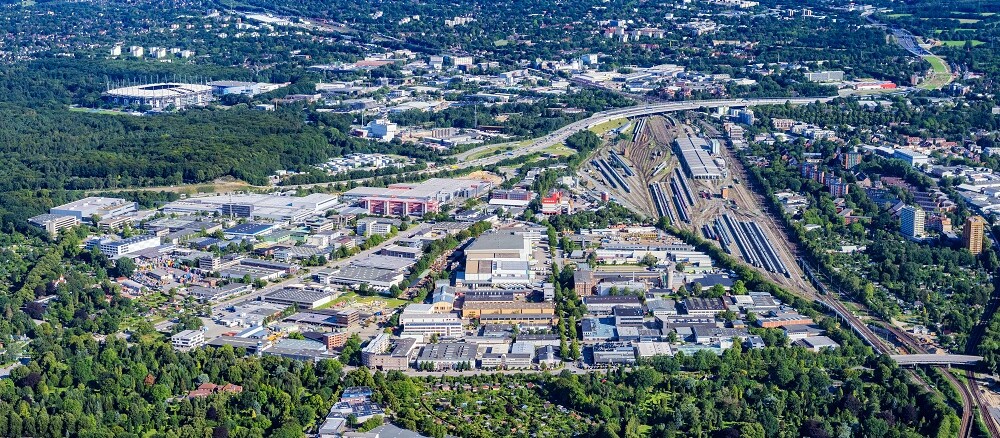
(301, 297)
(448, 355)
(498, 259)
(86, 208)
(416, 199)
(279, 208)
(698, 163)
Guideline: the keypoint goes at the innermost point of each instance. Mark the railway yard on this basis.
(643, 172)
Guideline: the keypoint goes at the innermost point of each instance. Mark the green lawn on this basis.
(97, 111)
(957, 43)
(351, 298)
(559, 149)
(941, 75)
(607, 126)
(493, 150)
(968, 20)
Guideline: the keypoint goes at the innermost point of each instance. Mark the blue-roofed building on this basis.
(598, 329)
(248, 230)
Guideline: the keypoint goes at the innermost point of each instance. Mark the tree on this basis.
(125, 267)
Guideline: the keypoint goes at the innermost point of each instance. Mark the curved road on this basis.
(563, 133)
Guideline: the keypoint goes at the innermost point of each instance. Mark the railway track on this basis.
(983, 404)
(967, 391)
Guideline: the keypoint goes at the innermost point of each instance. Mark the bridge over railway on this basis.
(935, 359)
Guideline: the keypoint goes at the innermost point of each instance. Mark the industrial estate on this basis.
(689, 218)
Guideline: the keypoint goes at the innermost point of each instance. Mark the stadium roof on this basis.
(164, 89)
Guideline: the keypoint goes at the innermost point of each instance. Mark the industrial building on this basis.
(416, 199)
(698, 163)
(86, 208)
(160, 96)
(213, 294)
(280, 208)
(377, 271)
(447, 355)
(480, 308)
(301, 297)
(512, 197)
(386, 353)
(498, 259)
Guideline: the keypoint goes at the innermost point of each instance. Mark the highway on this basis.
(560, 135)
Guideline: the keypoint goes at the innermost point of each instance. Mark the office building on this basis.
(614, 353)
(188, 339)
(911, 221)
(628, 316)
(117, 248)
(972, 234)
(53, 223)
(386, 353)
(375, 226)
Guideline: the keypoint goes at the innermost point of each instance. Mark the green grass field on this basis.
(956, 43)
(968, 20)
(352, 298)
(559, 149)
(607, 126)
(940, 76)
(97, 111)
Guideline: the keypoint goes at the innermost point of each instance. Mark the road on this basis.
(561, 134)
(908, 42)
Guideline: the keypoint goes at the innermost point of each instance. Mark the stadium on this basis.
(161, 95)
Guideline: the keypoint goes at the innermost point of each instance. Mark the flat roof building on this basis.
(698, 163)
(448, 355)
(212, 294)
(281, 208)
(416, 199)
(86, 208)
(188, 339)
(54, 223)
(118, 248)
(304, 298)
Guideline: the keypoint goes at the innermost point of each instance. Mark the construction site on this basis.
(665, 166)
